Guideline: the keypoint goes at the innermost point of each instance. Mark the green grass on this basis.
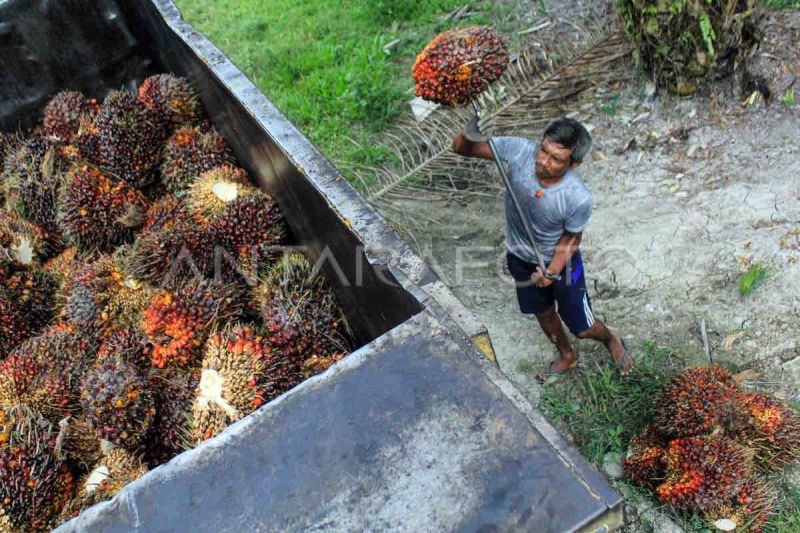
(781, 4)
(754, 276)
(323, 63)
(788, 97)
(602, 411)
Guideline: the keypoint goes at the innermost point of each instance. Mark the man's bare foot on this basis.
(621, 356)
(557, 367)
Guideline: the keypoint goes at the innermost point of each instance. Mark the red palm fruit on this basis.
(645, 464)
(178, 322)
(23, 380)
(747, 511)
(35, 483)
(128, 138)
(98, 212)
(103, 297)
(63, 114)
(301, 321)
(703, 473)
(170, 432)
(459, 64)
(172, 99)
(163, 213)
(773, 429)
(189, 153)
(234, 380)
(117, 402)
(695, 402)
(14, 328)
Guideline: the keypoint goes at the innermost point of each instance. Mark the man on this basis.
(557, 204)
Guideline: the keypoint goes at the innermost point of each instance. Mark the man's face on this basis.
(552, 160)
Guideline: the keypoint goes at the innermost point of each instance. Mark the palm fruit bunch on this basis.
(250, 230)
(23, 380)
(178, 322)
(21, 242)
(103, 297)
(189, 152)
(162, 214)
(695, 402)
(211, 193)
(300, 319)
(746, 511)
(459, 64)
(34, 484)
(644, 464)
(128, 344)
(33, 291)
(773, 429)
(63, 269)
(234, 380)
(78, 443)
(34, 174)
(14, 327)
(117, 402)
(318, 364)
(703, 472)
(115, 470)
(128, 138)
(170, 433)
(64, 351)
(64, 112)
(98, 212)
(172, 99)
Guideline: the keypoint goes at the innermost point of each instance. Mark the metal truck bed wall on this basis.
(416, 430)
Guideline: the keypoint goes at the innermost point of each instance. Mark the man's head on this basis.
(564, 145)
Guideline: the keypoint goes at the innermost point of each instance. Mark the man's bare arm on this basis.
(565, 247)
(463, 146)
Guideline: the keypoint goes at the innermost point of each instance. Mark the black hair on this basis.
(571, 134)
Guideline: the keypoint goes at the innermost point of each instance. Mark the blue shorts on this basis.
(574, 306)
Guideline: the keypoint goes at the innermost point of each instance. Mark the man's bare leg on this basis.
(599, 332)
(552, 327)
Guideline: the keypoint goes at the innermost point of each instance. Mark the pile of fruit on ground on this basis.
(713, 449)
(145, 298)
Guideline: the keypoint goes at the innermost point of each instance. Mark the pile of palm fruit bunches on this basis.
(122, 341)
(714, 449)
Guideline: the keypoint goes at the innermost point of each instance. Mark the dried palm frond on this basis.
(537, 86)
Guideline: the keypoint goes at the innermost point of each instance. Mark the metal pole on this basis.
(525, 222)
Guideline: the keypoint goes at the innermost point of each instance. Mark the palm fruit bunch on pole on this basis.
(172, 99)
(99, 212)
(233, 382)
(22, 243)
(64, 112)
(189, 152)
(179, 322)
(773, 430)
(34, 484)
(459, 64)
(300, 319)
(117, 402)
(115, 470)
(694, 481)
(34, 174)
(747, 510)
(103, 297)
(644, 464)
(695, 402)
(171, 430)
(127, 138)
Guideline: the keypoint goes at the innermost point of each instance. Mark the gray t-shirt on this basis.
(565, 206)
